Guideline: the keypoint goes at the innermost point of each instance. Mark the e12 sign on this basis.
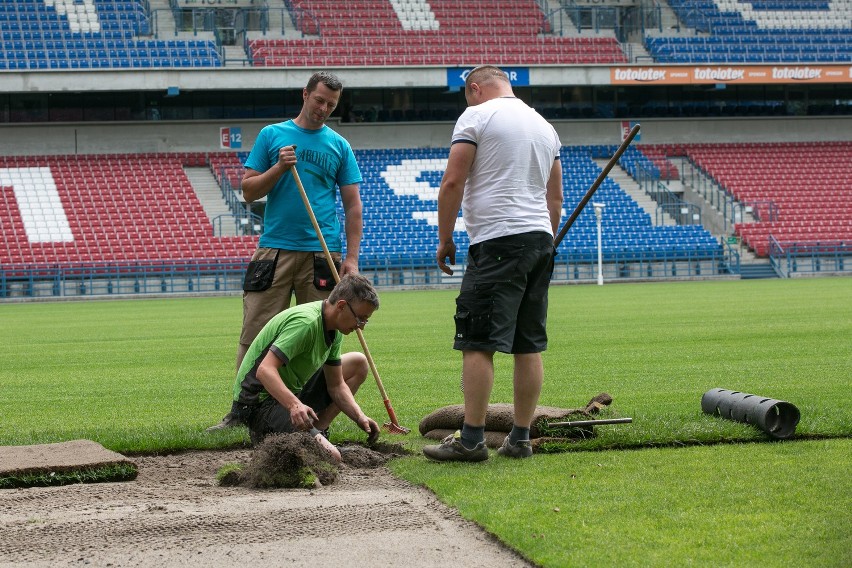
(626, 127)
(230, 137)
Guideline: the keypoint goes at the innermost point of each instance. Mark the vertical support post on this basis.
(599, 214)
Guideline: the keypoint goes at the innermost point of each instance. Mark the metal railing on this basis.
(66, 280)
(683, 212)
(714, 193)
(810, 258)
(121, 278)
(624, 21)
(243, 223)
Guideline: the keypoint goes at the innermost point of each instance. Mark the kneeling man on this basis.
(294, 377)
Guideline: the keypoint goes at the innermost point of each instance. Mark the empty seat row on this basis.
(503, 32)
(796, 193)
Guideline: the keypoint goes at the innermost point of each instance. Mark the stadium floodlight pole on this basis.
(602, 176)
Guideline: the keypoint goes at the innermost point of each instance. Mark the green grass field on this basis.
(675, 487)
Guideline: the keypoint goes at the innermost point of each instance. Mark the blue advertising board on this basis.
(518, 76)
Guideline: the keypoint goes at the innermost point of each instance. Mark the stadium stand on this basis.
(371, 32)
(129, 211)
(93, 213)
(92, 34)
(761, 31)
(66, 210)
(116, 208)
(798, 192)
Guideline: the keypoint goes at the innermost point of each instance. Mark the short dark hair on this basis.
(484, 74)
(354, 287)
(327, 78)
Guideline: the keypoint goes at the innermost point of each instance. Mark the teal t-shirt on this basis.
(325, 162)
(298, 337)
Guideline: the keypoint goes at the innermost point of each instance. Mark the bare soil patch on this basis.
(175, 514)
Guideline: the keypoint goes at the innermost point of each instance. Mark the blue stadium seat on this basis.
(37, 27)
(392, 209)
(730, 32)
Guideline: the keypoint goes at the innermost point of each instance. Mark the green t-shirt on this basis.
(298, 337)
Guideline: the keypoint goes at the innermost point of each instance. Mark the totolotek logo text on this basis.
(648, 74)
(718, 74)
(802, 73)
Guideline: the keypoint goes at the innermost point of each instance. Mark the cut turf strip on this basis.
(77, 461)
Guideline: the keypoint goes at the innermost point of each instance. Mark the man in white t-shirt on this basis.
(504, 172)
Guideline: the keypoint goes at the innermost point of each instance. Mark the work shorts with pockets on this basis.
(270, 417)
(294, 272)
(502, 303)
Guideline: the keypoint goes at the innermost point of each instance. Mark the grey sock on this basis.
(518, 434)
(472, 435)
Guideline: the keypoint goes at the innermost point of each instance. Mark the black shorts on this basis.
(502, 303)
(270, 417)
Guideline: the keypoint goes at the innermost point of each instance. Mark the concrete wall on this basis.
(259, 78)
(193, 136)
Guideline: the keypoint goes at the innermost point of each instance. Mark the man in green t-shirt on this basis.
(294, 377)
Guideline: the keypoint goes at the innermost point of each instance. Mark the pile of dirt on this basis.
(297, 460)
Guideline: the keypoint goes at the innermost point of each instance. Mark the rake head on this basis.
(393, 428)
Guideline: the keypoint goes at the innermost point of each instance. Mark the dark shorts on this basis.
(502, 303)
(270, 417)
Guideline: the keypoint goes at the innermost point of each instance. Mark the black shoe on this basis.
(451, 449)
(229, 421)
(520, 449)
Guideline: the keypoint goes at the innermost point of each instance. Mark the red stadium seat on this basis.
(799, 190)
(503, 32)
(139, 221)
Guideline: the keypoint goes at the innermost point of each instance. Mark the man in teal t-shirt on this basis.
(294, 377)
(326, 164)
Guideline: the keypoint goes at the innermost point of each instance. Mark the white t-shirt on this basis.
(505, 192)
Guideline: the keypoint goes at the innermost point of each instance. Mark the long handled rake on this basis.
(393, 426)
(602, 176)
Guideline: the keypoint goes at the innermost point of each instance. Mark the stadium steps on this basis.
(711, 217)
(669, 21)
(757, 269)
(277, 20)
(210, 194)
(636, 52)
(235, 56)
(166, 27)
(631, 188)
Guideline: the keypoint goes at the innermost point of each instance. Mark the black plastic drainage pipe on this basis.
(777, 418)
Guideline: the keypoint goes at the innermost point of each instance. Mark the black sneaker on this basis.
(451, 449)
(229, 421)
(520, 449)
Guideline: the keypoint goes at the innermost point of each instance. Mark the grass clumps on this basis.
(283, 460)
(229, 474)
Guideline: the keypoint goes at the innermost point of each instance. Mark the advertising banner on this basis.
(518, 76)
(729, 74)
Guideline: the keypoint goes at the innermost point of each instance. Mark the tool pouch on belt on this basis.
(243, 412)
(323, 278)
(260, 274)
